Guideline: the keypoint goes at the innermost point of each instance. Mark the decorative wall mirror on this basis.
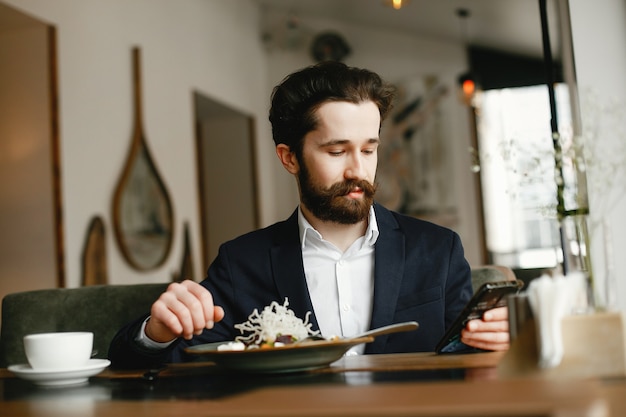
(186, 263)
(94, 257)
(142, 210)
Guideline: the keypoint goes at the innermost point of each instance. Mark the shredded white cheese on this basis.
(231, 346)
(275, 320)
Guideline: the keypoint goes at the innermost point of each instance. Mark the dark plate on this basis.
(289, 358)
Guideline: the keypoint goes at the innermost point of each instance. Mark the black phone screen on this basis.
(489, 295)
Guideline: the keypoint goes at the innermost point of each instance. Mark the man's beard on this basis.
(331, 204)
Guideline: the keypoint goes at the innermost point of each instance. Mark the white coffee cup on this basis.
(59, 350)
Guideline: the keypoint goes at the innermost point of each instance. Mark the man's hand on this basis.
(490, 333)
(184, 310)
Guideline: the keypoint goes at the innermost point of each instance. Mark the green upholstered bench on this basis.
(101, 309)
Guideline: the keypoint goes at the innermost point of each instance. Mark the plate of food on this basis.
(275, 340)
(294, 357)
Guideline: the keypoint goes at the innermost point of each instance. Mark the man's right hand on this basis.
(184, 310)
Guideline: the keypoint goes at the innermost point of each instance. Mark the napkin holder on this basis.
(594, 345)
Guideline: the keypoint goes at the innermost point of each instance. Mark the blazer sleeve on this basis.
(125, 352)
(458, 288)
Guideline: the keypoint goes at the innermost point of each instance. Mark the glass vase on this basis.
(575, 244)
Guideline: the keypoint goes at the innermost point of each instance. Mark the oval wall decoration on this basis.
(142, 210)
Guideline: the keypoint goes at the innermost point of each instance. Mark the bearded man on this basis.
(341, 259)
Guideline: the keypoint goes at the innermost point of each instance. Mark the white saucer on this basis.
(58, 377)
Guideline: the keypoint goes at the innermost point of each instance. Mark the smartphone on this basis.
(489, 295)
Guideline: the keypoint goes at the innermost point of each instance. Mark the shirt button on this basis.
(346, 307)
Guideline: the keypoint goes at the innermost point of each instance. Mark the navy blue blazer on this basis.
(420, 274)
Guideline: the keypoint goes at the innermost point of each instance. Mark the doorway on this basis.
(226, 174)
(31, 226)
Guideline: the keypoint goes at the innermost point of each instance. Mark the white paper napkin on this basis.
(551, 299)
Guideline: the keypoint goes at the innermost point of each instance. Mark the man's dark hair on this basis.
(299, 95)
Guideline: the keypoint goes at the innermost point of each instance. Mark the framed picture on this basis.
(415, 154)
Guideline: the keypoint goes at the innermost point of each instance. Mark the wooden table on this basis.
(420, 384)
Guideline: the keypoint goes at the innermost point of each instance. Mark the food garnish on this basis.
(275, 326)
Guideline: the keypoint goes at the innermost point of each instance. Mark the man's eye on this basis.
(369, 151)
(335, 153)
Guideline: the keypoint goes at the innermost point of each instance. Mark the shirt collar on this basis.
(306, 230)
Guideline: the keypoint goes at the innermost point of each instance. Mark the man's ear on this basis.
(287, 158)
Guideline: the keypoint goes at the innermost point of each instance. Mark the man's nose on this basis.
(355, 168)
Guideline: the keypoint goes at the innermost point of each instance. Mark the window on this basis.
(518, 181)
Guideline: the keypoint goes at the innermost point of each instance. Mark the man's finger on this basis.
(487, 326)
(495, 314)
(206, 303)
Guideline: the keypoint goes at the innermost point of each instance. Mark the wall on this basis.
(183, 49)
(599, 33)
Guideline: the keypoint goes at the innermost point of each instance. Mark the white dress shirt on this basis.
(341, 284)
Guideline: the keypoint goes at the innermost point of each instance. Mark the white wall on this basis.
(211, 46)
(599, 35)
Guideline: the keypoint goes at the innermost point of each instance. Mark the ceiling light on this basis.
(396, 4)
(467, 80)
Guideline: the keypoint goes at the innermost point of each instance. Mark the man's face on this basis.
(338, 169)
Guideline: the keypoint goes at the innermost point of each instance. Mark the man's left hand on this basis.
(489, 333)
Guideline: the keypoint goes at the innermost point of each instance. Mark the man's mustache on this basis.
(346, 187)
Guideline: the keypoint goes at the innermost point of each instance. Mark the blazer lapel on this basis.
(288, 267)
(388, 271)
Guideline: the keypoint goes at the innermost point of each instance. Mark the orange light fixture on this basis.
(469, 87)
(395, 4)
